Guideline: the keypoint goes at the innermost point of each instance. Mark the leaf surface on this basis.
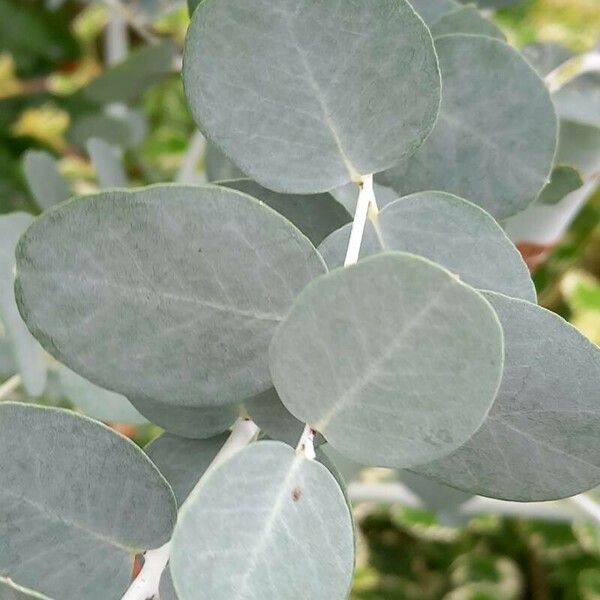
(307, 96)
(198, 278)
(539, 439)
(47, 186)
(278, 527)
(77, 502)
(495, 137)
(445, 229)
(29, 356)
(345, 360)
(315, 215)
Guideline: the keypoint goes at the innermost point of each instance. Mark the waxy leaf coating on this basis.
(445, 229)
(495, 137)
(465, 19)
(167, 589)
(431, 10)
(308, 95)
(47, 186)
(168, 294)
(127, 80)
(107, 162)
(267, 524)
(315, 215)
(564, 180)
(539, 441)
(96, 402)
(77, 503)
(28, 355)
(393, 360)
(273, 418)
(192, 422)
(182, 461)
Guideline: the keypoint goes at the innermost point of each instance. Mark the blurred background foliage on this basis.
(51, 50)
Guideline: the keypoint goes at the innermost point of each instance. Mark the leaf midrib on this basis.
(52, 515)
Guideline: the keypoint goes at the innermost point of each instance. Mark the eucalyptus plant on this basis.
(267, 330)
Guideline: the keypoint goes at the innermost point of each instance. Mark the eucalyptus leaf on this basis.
(11, 591)
(325, 459)
(495, 3)
(167, 589)
(344, 360)
(315, 215)
(465, 19)
(546, 56)
(445, 229)
(431, 10)
(293, 98)
(539, 440)
(8, 364)
(435, 496)
(77, 503)
(47, 186)
(125, 130)
(27, 352)
(278, 527)
(127, 80)
(193, 422)
(183, 461)
(579, 100)
(564, 180)
(579, 146)
(497, 156)
(97, 402)
(107, 161)
(274, 419)
(199, 278)
(218, 166)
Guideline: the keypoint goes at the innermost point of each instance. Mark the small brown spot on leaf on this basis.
(296, 493)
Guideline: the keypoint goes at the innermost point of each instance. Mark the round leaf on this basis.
(344, 360)
(198, 279)
(306, 96)
(183, 461)
(564, 180)
(107, 162)
(96, 402)
(77, 502)
(47, 186)
(192, 422)
(315, 215)
(27, 352)
(127, 80)
(465, 19)
(495, 137)
(539, 441)
(218, 166)
(445, 229)
(278, 527)
(274, 419)
(579, 100)
(432, 10)
(167, 589)
(546, 56)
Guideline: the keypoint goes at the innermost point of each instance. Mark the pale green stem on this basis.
(146, 584)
